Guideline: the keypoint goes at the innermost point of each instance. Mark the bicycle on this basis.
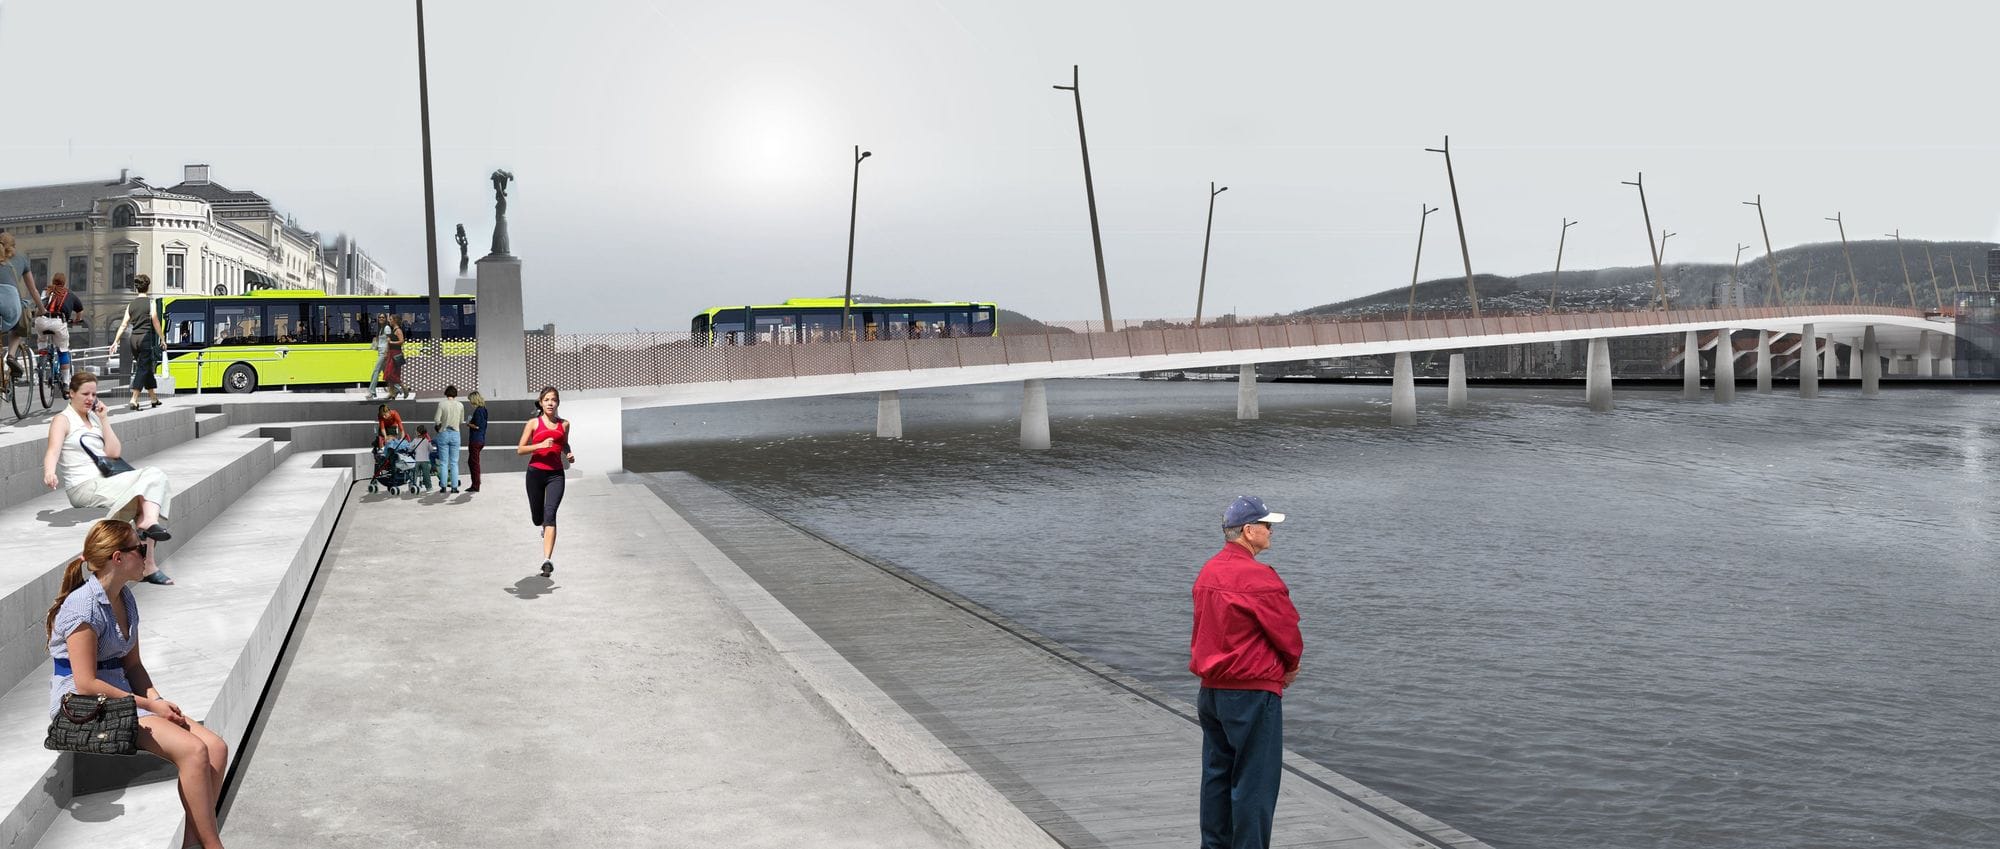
(49, 373)
(18, 370)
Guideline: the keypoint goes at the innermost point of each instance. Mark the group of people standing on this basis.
(544, 440)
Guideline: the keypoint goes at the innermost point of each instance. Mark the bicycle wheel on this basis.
(17, 377)
(46, 379)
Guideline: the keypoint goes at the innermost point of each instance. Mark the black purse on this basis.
(95, 725)
(108, 466)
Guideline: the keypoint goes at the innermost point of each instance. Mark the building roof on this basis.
(218, 193)
(62, 199)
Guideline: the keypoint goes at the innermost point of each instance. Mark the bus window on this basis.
(187, 324)
(778, 328)
(728, 327)
(698, 331)
(891, 325)
(285, 324)
(930, 324)
(819, 326)
(416, 319)
(237, 324)
(460, 320)
(982, 322)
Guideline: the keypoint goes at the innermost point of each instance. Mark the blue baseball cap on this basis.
(1246, 509)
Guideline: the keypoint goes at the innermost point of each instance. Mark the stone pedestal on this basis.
(465, 286)
(1246, 392)
(503, 355)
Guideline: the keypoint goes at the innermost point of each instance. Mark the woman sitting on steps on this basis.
(84, 428)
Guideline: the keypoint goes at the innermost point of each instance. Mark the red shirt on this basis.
(1246, 632)
(391, 425)
(549, 459)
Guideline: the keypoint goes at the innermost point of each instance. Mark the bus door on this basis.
(295, 358)
(777, 328)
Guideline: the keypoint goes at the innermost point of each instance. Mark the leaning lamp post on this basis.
(1201, 290)
(853, 207)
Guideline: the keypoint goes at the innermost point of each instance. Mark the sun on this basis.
(771, 137)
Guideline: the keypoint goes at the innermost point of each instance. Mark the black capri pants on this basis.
(545, 492)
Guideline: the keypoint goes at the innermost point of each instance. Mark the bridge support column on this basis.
(1854, 359)
(1454, 392)
(1946, 366)
(1829, 359)
(1725, 366)
(1763, 362)
(1403, 392)
(1926, 355)
(1597, 377)
(1871, 364)
(1246, 392)
(1808, 363)
(888, 415)
(1034, 415)
(1691, 366)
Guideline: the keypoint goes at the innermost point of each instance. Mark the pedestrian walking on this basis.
(449, 418)
(383, 333)
(392, 370)
(1245, 648)
(93, 639)
(146, 334)
(545, 439)
(475, 431)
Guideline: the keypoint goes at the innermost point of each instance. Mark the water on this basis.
(1774, 623)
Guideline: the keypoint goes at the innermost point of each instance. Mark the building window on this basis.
(79, 272)
(122, 269)
(38, 229)
(38, 266)
(176, 271)
(123, 215)
(79, 225)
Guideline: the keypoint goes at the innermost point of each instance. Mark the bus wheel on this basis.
(240, 378)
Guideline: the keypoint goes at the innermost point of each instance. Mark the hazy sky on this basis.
(673, 156)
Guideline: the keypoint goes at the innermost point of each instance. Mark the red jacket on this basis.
(1246, 632)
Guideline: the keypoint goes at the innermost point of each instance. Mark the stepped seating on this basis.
(212, 641)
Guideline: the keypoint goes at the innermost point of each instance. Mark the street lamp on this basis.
(1849, 257)
(1932, 264)
(430, 202)
(1907, 285)
(1736, 294)
(1777, 291)
(853, 206)
(1471, 291)
(1553, 282)
(1659, 281)
(1662, 294)
(1075, 87)
(1202, 290)
(1412, 308)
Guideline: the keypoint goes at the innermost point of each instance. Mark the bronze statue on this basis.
(461, 250)
(500, 180)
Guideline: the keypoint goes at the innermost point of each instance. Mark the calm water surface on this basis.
(1774, 623)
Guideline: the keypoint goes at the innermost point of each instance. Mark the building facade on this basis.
(355, 272)
(197, 237)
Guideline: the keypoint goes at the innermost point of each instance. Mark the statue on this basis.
(500, 180)
(461, 250)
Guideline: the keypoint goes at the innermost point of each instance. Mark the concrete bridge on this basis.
(651, 370)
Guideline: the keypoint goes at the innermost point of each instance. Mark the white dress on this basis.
(86, 487)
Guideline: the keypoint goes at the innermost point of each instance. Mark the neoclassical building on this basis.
(195, 237)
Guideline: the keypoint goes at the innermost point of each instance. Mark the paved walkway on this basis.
(443, 694)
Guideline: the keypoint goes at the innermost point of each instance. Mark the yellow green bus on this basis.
(818, 320)
(295, 337)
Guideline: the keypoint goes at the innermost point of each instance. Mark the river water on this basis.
(1773, 623)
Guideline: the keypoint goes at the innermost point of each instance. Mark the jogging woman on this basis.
(545, 439)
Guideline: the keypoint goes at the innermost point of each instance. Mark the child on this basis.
(426, 453)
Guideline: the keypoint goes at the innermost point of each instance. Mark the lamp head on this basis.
(867, 153)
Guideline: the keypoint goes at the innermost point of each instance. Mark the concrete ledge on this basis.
(211, 644)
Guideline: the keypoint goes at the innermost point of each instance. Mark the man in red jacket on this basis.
(1246, 649)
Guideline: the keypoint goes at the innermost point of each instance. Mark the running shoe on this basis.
(548, 568)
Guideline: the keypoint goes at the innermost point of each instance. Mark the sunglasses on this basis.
(137, 546)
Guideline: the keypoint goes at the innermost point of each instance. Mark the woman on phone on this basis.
(93, 636)
(139, 496)
(545, 439)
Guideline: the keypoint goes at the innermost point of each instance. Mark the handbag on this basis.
(95, 725)
(108, 466)
(399, 360)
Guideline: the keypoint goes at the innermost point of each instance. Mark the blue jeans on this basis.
(1242, 748)
(447, 446)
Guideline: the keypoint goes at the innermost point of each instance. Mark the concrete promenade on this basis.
(442, 694)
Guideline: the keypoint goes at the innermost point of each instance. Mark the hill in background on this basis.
(1807, 273)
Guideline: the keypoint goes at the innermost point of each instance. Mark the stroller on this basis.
(395, 463)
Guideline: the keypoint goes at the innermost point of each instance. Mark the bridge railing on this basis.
(610, 360)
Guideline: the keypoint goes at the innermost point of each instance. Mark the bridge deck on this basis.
(1093, 757)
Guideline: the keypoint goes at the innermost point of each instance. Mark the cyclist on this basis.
(60, 309)
(18, 294)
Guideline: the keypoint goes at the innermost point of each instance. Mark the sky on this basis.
(672, 156)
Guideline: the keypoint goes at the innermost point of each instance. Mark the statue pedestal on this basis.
(466, 286)
(503, 355)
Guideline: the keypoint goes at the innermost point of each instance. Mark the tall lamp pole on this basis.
(1777, 291)
(1659, 281)
(430, 201)
(1412, 308)
(1458, 212)
(853, 207)
(1075, 87)
(1932, 265)
(1202, 290)
(1553, 282)
(1908, 286)
(1735, 294)
(1849, 257)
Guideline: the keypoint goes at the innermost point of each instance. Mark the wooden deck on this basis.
(1094, 757)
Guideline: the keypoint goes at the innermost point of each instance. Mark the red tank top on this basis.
(548, 459)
